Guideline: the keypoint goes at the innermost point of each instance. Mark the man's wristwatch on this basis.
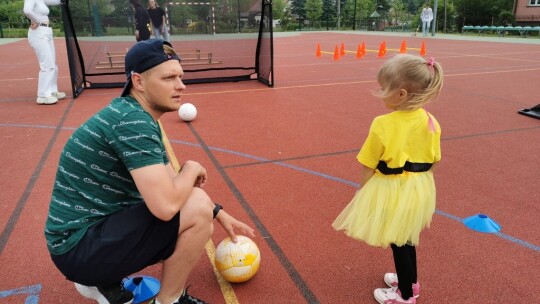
(216, 209)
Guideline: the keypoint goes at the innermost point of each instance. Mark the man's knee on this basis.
(201, 199)
(198, 207)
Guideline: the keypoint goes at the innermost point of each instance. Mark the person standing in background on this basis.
(40, 38)
(427, 17)
(142, 21)
(159, 23)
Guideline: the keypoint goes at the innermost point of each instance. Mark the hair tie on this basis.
(431, 124)
(431, 61)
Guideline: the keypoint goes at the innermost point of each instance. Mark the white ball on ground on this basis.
(187, 112)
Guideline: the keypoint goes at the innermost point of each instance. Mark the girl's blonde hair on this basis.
(421, 78)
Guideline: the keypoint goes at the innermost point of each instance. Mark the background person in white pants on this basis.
(40, 37)
(427, 17)
(159, 24)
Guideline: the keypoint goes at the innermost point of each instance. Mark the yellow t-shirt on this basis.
(401, 136)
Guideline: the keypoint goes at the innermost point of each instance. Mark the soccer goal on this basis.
(218, 41)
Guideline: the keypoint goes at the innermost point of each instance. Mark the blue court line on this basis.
(350, 183)
(32, 291)
(448, 215)
(518, 241)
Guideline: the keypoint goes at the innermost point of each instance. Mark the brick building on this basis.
(527, 12)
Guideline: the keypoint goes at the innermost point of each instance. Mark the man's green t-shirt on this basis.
(93, 178)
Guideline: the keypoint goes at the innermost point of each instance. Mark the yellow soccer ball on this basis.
(237, 262)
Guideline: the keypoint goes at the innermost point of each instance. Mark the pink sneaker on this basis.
(392, 281)
(391, 296)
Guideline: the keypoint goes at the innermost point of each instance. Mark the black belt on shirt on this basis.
(409, 167)
(44, 24)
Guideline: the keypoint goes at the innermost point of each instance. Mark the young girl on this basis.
(397, 197)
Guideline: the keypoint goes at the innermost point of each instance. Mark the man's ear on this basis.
(137, 81)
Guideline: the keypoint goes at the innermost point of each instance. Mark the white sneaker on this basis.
(47, 100)
(115, 295)
(392, 281)
(59, 95)
(91, 292)
(391, 296)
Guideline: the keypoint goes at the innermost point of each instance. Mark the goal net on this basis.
(218, 41)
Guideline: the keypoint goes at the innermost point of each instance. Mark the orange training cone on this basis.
(359, 53)
(423, 49)
(342, 52)
(336, 53)
(318, 51)
(382, 50)
(403, 48)
(363, 49)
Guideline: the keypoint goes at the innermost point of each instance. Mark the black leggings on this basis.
(405, 262)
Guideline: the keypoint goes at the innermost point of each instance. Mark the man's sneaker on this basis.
(47, 100)
(391, 296)
(392, 281)
(59, 95)
(185, 299)
(106, 295)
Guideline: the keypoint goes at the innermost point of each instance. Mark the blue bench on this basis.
(479, 29)
(524, 31)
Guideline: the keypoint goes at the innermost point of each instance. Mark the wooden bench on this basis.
(194, 57)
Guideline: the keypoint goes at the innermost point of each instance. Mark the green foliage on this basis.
(398, 12)
(278, 9)
(451, 13)
(506, 18)
(286, 22)
(12, 12)
(313, 9)
(298, 8)
(481, 12)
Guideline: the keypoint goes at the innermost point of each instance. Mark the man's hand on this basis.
(200, 181)
(229, 224)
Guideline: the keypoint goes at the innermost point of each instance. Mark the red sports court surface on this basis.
(283, 160)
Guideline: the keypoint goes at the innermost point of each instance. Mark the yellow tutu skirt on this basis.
(390, 209)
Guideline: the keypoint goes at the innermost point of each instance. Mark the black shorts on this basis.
(124, 243)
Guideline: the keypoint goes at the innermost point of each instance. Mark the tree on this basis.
(298, 8)
(329, 12)
(481, 12)
(12, 12)
(413, 5)
(398, 12)
(286, 19)
(506, 18)
(313, 10)
(278, 9)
